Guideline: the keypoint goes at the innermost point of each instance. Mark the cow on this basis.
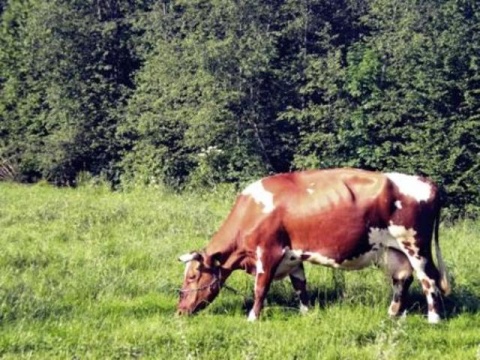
(341, 218)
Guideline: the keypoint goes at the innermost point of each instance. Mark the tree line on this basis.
(199, 92)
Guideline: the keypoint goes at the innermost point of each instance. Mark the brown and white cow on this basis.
(342, 218)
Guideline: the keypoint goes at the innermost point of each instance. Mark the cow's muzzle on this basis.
(183, 312)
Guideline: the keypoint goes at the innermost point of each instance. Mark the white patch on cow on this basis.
(259, 263)
(401, 233)
(356, 263)
(422, 276)
(320, 259)
(298, 273)
(259, 266)
(188, 257)
(411, 186)
(398, 204)
(303, 309)
(381, 237)
(433, 317)
(251, 316)
(396, 231)
(311, 188)
(261, 196)
(406, 242)
(361, 261)
(187, 266)
(403, 274)
(290, 261)
(405, 237)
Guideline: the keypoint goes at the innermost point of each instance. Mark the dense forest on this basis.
(189, 93)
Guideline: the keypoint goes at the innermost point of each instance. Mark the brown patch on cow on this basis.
(407, 244)
(411, 252)
(431, 307)
(426, 284)
(394, 308)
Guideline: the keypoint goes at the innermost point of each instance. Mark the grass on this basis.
(91, 274)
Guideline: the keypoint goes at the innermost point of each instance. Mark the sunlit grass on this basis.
(92, 274)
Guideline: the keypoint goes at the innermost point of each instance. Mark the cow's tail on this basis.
(443, 281)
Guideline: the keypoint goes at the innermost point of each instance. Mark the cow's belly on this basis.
(359, 262)
(293, 258)
(366, 252)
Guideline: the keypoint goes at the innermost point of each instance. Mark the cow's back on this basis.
(331, 211)
(323, 190)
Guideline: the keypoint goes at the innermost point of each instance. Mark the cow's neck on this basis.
(228, 250)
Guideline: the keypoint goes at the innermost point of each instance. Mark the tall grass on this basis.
(92, 274)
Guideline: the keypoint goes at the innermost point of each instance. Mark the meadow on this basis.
(88, 273)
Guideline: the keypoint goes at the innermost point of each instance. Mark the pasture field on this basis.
(92, 274)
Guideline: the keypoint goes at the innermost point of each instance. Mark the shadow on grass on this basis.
(279, 296)
(462, 300)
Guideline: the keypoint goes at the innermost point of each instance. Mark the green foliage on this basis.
(65, 64)
(136, 91)
(204, 86)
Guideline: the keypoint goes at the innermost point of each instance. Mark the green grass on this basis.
(90, 274)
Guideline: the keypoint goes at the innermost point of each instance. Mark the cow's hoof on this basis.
(394, 309)
(303, 309)
(251, 316)
(433, 317)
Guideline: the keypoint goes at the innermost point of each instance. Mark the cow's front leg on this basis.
(299, 283)
(266, 264)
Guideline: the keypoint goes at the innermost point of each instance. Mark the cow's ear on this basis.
(216, 260)
(190, 256)
(213, 260)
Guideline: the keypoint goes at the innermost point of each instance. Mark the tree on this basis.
(394, 103)
(206, 83)
(66, 68)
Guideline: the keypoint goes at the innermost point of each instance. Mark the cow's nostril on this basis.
(182, 312)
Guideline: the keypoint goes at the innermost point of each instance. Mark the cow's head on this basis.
(201, 284)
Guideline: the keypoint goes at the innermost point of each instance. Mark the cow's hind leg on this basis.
(299, 283)
(400, 271)
(422, 263)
